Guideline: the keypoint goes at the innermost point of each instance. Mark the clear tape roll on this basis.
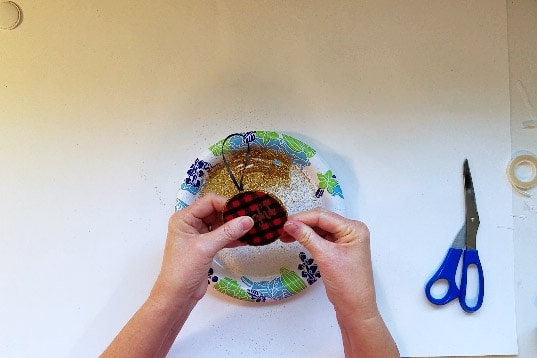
(10, 15)
(523, 185)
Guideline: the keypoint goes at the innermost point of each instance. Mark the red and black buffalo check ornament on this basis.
(268, 213)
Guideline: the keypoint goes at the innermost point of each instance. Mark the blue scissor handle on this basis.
(471, 257)
(447, 272)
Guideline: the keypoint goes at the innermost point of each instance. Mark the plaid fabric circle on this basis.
(268, 213)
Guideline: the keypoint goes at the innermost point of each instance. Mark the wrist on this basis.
(169, 301)
(356, 314)
(366, 337)
(361, 305)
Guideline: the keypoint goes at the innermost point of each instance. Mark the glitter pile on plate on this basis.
(270, 171)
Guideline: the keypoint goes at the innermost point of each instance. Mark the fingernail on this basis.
(290, 227)
(246, 223)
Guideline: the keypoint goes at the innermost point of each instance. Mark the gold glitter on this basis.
(267, 168)
(286, 182)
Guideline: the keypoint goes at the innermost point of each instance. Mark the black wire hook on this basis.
(238, 184)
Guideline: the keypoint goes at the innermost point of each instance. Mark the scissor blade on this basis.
(472, 217)
(460, 240)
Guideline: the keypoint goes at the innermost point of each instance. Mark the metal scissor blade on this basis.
(472, 216)
(460, 240)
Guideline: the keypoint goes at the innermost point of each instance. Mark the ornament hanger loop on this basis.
(238, 184)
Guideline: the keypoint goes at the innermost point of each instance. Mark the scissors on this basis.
(464, 245)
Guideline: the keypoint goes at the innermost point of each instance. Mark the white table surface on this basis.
(522, 31)
(135, 173)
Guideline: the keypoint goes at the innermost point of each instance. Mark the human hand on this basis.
(341, 249)
(195, 235)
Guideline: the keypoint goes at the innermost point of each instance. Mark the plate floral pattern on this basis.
(303, 272)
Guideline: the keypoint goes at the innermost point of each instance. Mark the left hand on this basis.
(195, 235)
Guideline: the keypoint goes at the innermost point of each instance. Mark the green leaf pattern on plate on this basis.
(216, 148)
(288, 283)
(327, 181)
(232, 288)
(292, 281)
(267, 136)
(298, 146)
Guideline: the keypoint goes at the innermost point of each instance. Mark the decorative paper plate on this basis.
(286, 168)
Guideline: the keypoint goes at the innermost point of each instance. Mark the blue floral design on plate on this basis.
(211, 277)
(273, 289)
(309, 269)
(256, 295)
(249, 137)
(195, 176)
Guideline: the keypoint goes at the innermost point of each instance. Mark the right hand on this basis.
(341, 248)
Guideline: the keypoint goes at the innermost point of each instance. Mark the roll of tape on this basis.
(10, 15)
(529, 161)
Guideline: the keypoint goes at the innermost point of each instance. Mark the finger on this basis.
(306, 236)
(323, 219)
(286, 238)
(203, 212)
(331, 223)
(206, 205)
(213, 221)
(227, 234)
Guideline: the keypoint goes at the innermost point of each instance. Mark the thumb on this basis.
(305, 235)
(228, 233)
